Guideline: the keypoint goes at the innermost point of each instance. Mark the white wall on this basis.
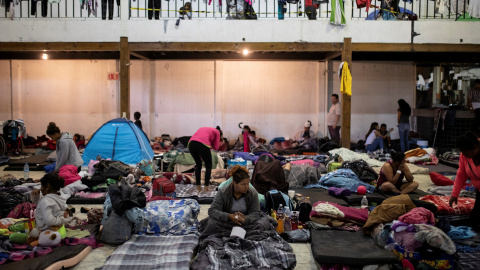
(177, 97)
(376, 88)
(76, 94)
(221, 30)
(274, 98)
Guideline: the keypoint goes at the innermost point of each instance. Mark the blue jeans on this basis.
(404, 131)
(377, 143)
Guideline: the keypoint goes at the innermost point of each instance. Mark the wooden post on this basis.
(346, 99)
(124, 78)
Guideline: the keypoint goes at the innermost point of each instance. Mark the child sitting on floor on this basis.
(51, 212)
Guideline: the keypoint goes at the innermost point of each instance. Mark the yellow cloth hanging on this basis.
(346, 80)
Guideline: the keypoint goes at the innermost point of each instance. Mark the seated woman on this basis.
(79, 140)
(67, 151)
(373, 138)
(246, 141)
(236, 203)
(305, 138)
(395, 177)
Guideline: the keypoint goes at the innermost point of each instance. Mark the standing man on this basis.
(474, 104)
(333, 119)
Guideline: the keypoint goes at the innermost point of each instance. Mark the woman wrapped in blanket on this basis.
(468, 168)
(236, 203)
(51, 213)
(305, 138)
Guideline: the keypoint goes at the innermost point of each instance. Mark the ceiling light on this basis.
(245, 52)
(45, 56)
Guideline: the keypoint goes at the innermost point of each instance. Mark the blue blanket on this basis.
(342, 178)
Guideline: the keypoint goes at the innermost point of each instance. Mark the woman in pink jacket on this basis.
(468, 168)
(200, 145)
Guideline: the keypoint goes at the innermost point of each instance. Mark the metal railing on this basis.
(423, 9)
(202, 9)
(63, 9)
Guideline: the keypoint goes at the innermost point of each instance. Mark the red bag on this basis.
(163, 187)
(180, 177)
(22, 210)
(69, 173)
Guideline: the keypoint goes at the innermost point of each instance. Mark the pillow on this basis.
(440, 180)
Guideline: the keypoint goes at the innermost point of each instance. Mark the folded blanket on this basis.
(342, 178)
(461, 232)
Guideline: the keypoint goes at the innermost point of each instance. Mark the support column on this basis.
(124, 78)
(346, 99)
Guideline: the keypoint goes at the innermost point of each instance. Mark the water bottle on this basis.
(287, 225)
(364, 202)
(26, 171)
(280, 212)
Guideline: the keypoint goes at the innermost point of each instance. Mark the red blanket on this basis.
(464, 206)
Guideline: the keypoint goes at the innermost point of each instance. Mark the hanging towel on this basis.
(346, 82)
(474, 8)
(245, 142)
(337, 17)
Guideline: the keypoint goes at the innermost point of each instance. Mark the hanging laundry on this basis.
(337, 17)
(346, 81)
(474, 8)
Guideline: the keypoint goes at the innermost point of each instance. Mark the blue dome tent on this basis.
(118, 139)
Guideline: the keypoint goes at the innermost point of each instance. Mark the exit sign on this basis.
(113, 76)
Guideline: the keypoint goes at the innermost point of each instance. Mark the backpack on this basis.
(304, 207)
(69, 173)
(274, 198)
(163, 187)
(22, 210)
(116, 230)
(361, 169)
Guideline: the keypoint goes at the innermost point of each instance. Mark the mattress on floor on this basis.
(154, 252)
(61, 256)
(35, 163)
(79, 200)
(348, 248)
(319, 194)
(190, 192)
(451, 163)
(379, 197)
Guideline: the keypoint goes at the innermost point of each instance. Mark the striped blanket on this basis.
(144, 252)
(261, 249)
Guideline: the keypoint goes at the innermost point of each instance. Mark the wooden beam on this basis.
(139, 55)
(398, 47)
(59, 46)
(231, 46)
(346, 99)
(124, 78)
(331, 55)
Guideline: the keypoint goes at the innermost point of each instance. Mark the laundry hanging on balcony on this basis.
(337, 17)
(474, 8)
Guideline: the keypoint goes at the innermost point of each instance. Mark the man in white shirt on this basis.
(333, 119)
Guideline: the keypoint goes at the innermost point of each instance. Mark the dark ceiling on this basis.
(419, 57)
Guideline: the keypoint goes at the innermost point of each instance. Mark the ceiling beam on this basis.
(332, 55)
(59, 46)
(398, 47)
(139, 56)
(230, 46)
